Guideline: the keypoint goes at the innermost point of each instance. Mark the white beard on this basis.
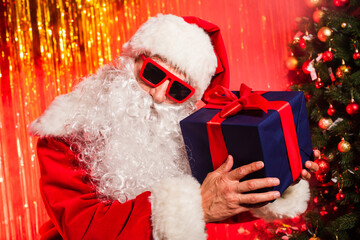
(127, 141)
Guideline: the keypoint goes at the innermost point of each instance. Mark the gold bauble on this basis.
(345, 69)
(330, 157)
(325, 123)
(342, 70)
(313, 3)
(291, 63)
(344, 25)
(344, 146)
(314, 238)
(324, 33)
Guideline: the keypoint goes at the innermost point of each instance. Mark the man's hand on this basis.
(311, 166)
(223, 196)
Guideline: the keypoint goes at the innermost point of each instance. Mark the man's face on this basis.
(157, 93)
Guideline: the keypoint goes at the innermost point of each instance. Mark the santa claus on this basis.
(113, 162)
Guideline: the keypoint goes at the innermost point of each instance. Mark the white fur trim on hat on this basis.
(293, 202)
(185, 46)
(176, 209)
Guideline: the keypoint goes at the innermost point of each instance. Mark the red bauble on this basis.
(313, 3)
(319, 83)
(335, 208)
(340, 196)
(303, 227)
(356, 55)
(331, 111)
(341, 3)
(352, 108)
(325, 178)
(317, 15)
(339, 73)
(323, 213)
(328, 56)
(324, 34)
(324, 166)
(316, 199)
(305, 66)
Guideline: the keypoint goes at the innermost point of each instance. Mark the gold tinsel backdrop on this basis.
(46, 46)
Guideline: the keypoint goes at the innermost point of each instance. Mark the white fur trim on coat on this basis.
(293, 202)
(185, 46)
(177, 209)
(54, 119)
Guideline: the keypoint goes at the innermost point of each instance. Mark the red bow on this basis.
(220, 97)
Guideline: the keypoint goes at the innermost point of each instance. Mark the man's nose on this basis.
(159, 93)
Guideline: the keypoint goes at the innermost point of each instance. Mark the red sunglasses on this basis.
(154, 74)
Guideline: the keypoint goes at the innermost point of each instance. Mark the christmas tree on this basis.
(325, 65)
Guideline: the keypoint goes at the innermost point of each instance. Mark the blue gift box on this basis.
(250, 135)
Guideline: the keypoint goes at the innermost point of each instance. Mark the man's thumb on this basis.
(226, 166)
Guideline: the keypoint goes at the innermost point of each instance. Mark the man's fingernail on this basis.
(276, 194)
(276, 181)
(259, 164)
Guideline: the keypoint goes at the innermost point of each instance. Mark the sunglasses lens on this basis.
(178, 91)
(153, 74)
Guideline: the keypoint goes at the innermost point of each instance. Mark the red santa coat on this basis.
(73, 204)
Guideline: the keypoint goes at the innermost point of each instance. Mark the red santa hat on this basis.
(191, 44)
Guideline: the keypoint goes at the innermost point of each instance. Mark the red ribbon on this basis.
(289, 130)
(222, 98)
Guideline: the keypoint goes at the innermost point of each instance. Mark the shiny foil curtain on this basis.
(48, 45)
